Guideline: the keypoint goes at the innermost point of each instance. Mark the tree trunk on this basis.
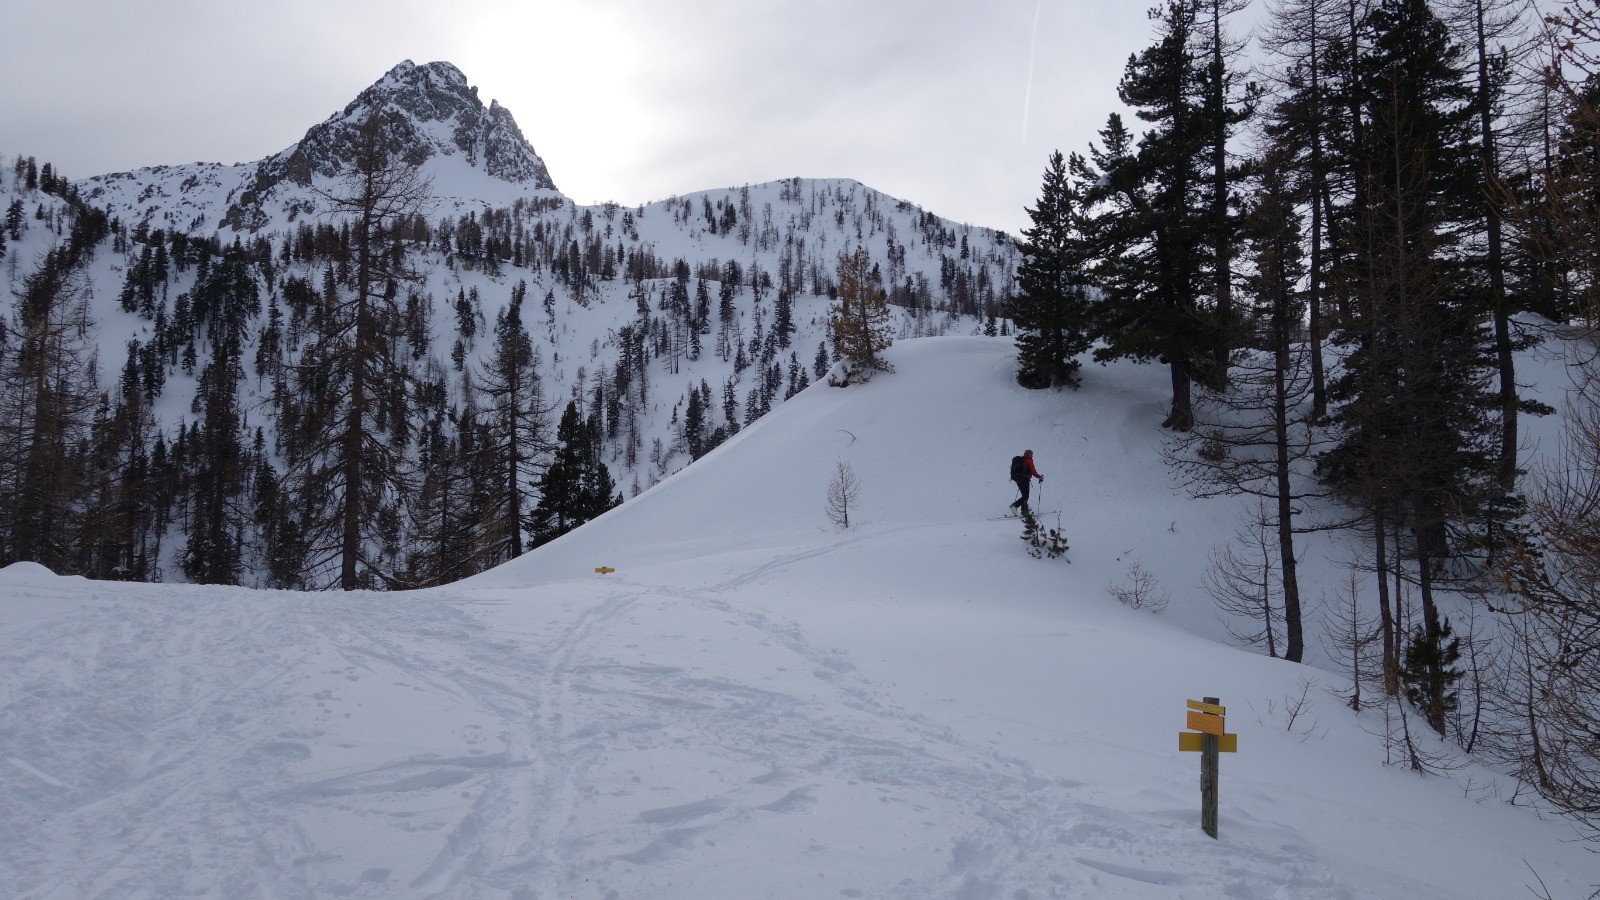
(1181, 416)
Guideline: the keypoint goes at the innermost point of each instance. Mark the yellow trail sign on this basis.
(1190, 742)
(1207, 716)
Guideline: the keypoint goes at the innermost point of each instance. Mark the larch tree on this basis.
(48, 376)
(349, 471)
(1412, 425)
(1301, 122)
(1253, 436)
(1553, 578)
(860, 319)
(516, 423)
(1495, 35)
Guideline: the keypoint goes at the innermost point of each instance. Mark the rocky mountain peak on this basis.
(430, 115)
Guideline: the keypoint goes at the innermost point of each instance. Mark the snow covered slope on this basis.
(755, 703)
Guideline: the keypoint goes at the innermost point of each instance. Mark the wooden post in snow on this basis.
(1210, 772)
(1207, 718)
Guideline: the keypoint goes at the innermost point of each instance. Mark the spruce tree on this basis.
(576, 486)
(215, 550)
(445, 543)
(1154, 220)
(1051, 307)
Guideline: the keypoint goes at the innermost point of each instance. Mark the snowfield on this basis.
(754, 704)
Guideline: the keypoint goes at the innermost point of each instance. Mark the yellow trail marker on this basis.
(605, 570)
(1206, 717)
(1190, 742)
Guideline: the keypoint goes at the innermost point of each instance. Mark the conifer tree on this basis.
(1228, 103)
(1301, 124)
(1051, 307)
(515, 423)
(1250, 438)
(860, 318)
(445, 544)
(1412, 443)
(121, 511)
(694, 428)
(1154, 220)
(47, 398)
(1554, 576)
(348, 471)
(576, 487)
(215, 550)
(1492, 33)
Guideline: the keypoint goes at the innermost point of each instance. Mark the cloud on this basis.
(625, 99)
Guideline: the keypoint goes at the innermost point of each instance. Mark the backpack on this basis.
(1019, 468)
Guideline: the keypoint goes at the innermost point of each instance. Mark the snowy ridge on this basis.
(754, 704)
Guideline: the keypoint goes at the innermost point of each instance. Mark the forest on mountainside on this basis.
(379, 398)
(1338, 256)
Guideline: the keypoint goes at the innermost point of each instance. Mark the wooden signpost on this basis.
(1207, 735)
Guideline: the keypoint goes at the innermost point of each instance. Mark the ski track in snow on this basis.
(266, 753)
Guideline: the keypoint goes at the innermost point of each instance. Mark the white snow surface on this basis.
(756, 703)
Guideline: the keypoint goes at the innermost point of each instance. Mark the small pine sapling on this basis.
(1042, 542)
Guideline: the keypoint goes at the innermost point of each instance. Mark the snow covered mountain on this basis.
(717, 299)
(433, 120)
(751, 701)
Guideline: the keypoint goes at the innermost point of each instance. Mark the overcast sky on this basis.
(951, 104)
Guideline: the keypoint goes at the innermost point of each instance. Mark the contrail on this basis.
(1027, 94)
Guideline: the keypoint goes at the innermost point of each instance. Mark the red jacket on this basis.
(1031, 470)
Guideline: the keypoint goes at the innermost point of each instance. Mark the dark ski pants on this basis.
(1022, 485)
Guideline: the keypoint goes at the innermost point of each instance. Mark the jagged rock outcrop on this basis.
(429, 113)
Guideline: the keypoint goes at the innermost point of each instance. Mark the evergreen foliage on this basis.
(1163, 234)
(515, 428)
(1429, 673)
(1042, 542)
(1051, 307)
(576, 487)
(1414, 432)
